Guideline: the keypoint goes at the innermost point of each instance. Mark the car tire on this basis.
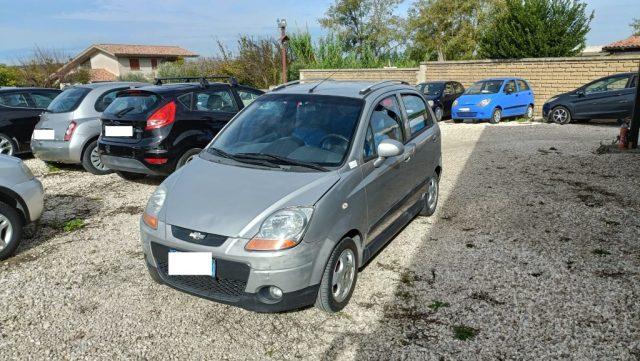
(7, 145)
(529, 114)
(438, 112)
(457, 121)
(11, 224)
(153, 273)
(343, 263)
(130, 176)
(496, 116)
(560, 115)
(91, 160)
(431, 197)
(187, 157)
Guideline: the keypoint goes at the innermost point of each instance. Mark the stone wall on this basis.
(547, 76)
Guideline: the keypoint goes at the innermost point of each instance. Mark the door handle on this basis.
(410, 151)
(435, 138)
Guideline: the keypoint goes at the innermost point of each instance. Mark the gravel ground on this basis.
(533, 254)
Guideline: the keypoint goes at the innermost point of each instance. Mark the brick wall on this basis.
(547, 76)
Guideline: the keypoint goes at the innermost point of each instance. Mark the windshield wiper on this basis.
(281, 160)
(262, 162)
(124, 111)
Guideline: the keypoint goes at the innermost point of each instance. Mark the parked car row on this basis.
(611, 97)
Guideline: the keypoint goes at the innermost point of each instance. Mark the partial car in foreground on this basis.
(20, 110)
(495, 99)
(441, 95)
(295, 195)
(68, 131)
(21, 202)
(156, 129)
(611, 97)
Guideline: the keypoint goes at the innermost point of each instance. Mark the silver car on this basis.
(21, 202)
(68, 130)
(295, 194)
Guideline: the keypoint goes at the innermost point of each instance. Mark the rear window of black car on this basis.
(68, 100)
(137, 102)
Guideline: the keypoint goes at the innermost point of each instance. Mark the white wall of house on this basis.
(145, 66)
(105, 61)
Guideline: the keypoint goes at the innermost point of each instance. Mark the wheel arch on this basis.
(86, 144)
(14, 200)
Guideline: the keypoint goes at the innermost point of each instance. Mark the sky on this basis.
(70, 26)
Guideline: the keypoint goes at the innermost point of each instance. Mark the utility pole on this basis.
(284, 42)
(635, 117)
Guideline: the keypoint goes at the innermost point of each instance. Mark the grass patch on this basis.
(73, 225)
(341, 314)
(435, 305)
(407, 278)
(601, 252)
(463, 333)
(52, 168)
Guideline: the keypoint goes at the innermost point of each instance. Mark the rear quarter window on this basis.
(137, 103)
(68, 100)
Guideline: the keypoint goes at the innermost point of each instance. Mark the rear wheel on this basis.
(10, 230)
(529, 113)
(496, 117)
(339, 277)
(7, 145)
(91, 160)
(430, 198)
(188, 157)
(129, 175)
(560, 115)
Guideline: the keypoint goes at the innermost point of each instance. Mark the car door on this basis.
(448, 96)
(19, 116)
(601, 98)
(211, 109)
(459, 90)
(508, 99)
(385, 185)
(524, 97)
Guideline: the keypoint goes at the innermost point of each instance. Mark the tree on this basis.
(37, 70)
(536, 28)
(635, 25)
(447, 29)
(365, 25)
(9, 76)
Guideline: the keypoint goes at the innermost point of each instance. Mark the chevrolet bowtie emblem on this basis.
(197, 236)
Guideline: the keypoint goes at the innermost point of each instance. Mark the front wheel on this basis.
(10, 230)
(91, 160)
(496, 117)
(339, 277)
(560, 115)
(187, 157)
(430, 198)
(438, 113)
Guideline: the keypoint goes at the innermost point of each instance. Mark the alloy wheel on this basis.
(529, 112)
(343, 275)
(432, 193)
(6, 232)
(6, 147)
(438, 113)
(560, 115)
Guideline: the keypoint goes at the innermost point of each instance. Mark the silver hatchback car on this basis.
(296, 194)
(21, 202)
(68, 130)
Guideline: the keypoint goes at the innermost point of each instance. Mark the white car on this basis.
(21, 202)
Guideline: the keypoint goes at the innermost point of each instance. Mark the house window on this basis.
(134, 64)
(154, 64)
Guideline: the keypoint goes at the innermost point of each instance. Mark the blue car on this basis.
(494, 99)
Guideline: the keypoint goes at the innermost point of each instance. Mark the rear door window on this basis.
(68, 100)
(522, 85)
(15, 100)
(419, 117)
(215, 100)
(43, 99)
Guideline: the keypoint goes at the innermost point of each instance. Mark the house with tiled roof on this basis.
(106, 62)
(630, 45)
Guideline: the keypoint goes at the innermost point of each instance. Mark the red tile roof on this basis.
(145, 50)
(630, 43)
(101, 74)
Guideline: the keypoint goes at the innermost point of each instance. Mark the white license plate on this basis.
(118, 131)
(44, 134)
(191, 264)
(464, 109)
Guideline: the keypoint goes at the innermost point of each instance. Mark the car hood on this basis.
(474, 99)
(233, 200)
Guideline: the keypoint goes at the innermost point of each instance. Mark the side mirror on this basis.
(388, 148)
(580, 93)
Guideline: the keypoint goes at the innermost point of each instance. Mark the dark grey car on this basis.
(295, 194)
(68, 130)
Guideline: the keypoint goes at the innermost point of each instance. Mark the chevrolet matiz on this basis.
(295, 194)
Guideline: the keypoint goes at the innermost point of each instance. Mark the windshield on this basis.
(485, 87)
(68, 100)
(133, 102)
(314, 129)
(432, 88)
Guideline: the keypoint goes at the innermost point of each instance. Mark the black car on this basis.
(441, 95)
(20, 110)
(611, 97)
(154, 130)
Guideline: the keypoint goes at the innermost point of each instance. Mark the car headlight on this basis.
(484, 102)
(25, 169)
(552, 99)
(455, 102)
(430, 102)
(154, 206)
(281, 230)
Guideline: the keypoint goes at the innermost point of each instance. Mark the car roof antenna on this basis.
(322, 81)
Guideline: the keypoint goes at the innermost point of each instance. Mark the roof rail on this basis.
(295, 82)
(203, 80)
(380, 84)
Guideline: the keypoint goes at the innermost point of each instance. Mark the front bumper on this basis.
(546, 108)
(242, 277)
(472, 112)
(32, 194)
